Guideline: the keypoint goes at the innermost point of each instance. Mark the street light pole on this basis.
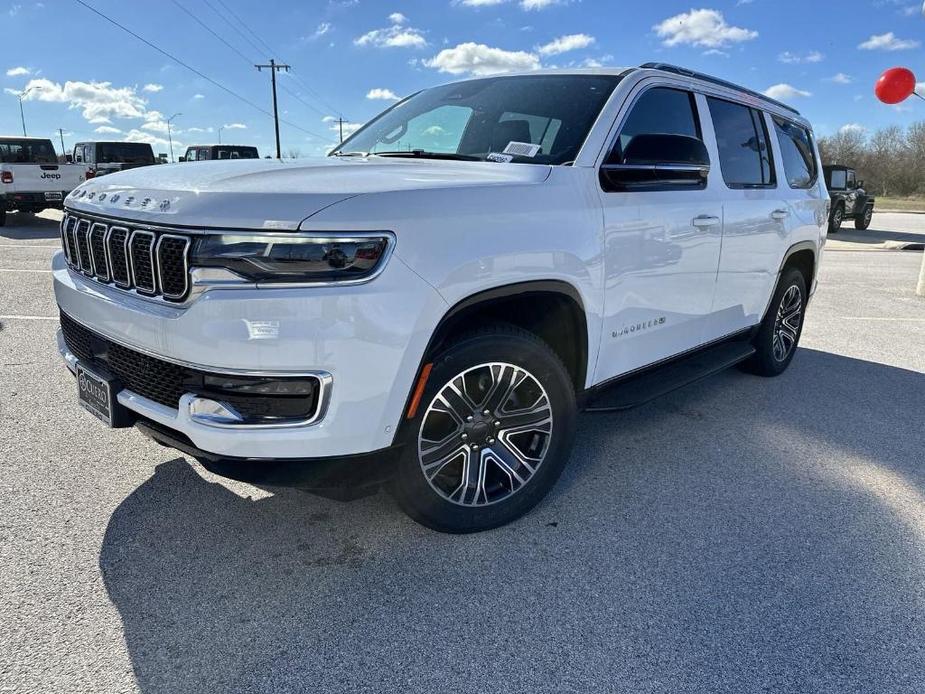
(22, 115)
(220, 128)
(169, 138)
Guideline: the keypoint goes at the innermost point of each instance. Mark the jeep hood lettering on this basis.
(272, 194)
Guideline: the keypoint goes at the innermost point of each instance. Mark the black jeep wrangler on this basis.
(849, 200)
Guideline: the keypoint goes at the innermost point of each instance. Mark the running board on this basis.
(655, 382)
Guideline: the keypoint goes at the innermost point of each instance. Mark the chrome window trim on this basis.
(96, 270)
(131, 262)
(157, 255)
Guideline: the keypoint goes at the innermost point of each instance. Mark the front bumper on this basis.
(369, 338)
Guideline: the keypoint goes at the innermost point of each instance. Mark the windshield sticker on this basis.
(500, 158)
(522, 149)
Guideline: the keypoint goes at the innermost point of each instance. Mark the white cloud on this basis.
(785, 92)
(716, 51)
(382, 94)
(888, 42)
(398, 35)
(334, 126)
(234, 126)
(564, 44)
(107, 130)
(480, 3)
(195, 130)
(852, 128)
(539, 4)
(840, 78)
(18, 71)
(153, 88)
(321, 30)
(153, 140)
(706, 28)
(199, 96)
(98, 101)
(479, 59)
(810, 57)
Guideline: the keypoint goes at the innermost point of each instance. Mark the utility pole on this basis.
(220, 128)
(340, 124)
(169, 138)
(63, 151)
(273, 67)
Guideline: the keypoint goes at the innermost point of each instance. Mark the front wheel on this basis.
(491, 434)
(863, 221)
(779, 332)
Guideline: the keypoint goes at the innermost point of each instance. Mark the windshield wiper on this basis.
(424, 154)
(350, 154)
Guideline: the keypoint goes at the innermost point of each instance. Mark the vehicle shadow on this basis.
(743, 534)
(22, 227)
(875, 236)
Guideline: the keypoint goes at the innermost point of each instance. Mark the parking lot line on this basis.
(8, 269)
(32, 245)
(28, 317)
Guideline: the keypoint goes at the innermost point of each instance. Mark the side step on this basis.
(638, 389)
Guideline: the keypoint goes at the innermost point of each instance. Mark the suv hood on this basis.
(273, 194)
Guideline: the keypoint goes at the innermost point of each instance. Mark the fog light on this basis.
(207, 411)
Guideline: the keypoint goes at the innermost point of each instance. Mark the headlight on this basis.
(292, 258)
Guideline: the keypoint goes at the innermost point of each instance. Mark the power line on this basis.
(229, 23)
(195, 71)
(244, 24)
(211, 31)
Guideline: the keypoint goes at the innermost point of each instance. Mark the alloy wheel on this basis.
(485, 434)
(787, 324)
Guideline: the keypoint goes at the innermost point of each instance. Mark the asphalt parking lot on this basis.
(741, 535)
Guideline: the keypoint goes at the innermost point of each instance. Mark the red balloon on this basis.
(895, 85)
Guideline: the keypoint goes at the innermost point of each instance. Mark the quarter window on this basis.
(796, 147)
(659, 111)
(742, 141)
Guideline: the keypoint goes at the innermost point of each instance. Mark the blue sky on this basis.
(351, 57)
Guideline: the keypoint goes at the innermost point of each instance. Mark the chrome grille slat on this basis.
(138, 259)
(141, 261)
(83, 247)
(97, 242)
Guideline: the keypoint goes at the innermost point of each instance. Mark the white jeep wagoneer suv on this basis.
(431, 305)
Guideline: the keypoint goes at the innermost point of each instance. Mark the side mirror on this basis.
(69, 158)
(182, 159)
(859, 184)
(658, 160)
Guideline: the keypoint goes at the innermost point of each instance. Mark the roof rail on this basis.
(667, 67)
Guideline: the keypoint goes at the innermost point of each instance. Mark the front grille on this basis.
(165, 382)
(153, 263)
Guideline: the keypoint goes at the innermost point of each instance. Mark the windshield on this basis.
(127, 152)
(535, 119)
(14, 151)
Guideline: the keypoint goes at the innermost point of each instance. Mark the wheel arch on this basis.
(551, 309)
(804, 257)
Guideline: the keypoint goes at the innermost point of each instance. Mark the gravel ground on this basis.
(740, 535)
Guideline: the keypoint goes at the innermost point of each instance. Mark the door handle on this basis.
(780, 214)
(705, 220)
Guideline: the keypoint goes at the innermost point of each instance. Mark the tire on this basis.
(521, 448)
(863, 221)
(836, 218)
(779, 333)
(2, 218)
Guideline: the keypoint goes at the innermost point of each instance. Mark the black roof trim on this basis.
(667, 67)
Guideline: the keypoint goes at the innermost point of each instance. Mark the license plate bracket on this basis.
(96, 393)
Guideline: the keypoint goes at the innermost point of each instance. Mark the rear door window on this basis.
(742, 141)
(796, 147)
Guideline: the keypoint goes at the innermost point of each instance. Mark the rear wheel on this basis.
(491, 434)
(863, 221)
(2, 218)
(836, 219)
(779, 332)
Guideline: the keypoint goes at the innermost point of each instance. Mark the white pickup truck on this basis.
(31, 179)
